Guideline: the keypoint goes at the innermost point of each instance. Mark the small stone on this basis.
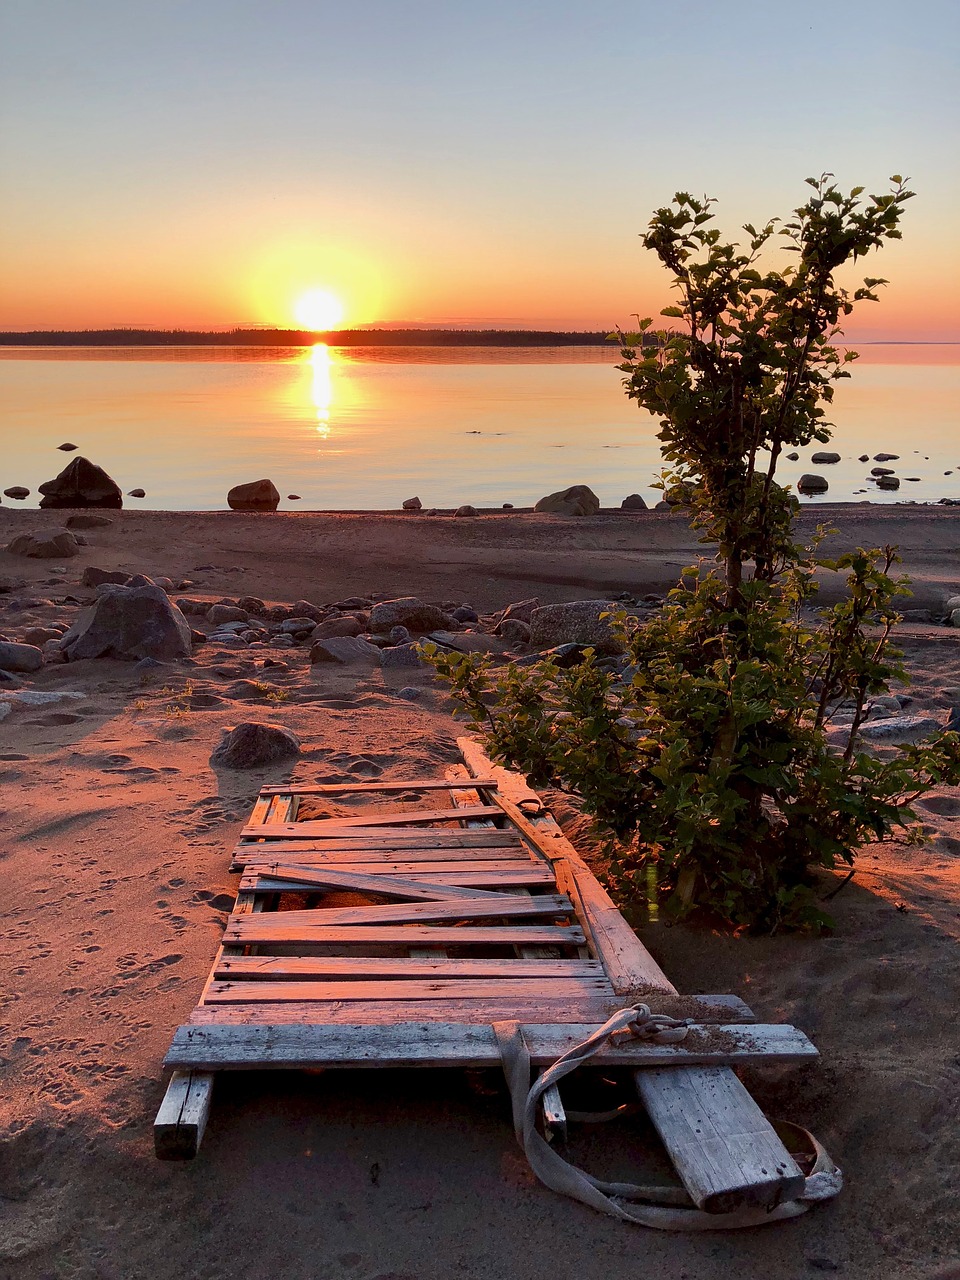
(251, 745)
(87, 520)
(251, 604)
(347, 626)
(881, 471)
(67, 448)
(148, 666)
(810, 483)
(888, 482)
(793, 457)
(17, 491)
(20, 657)
(293, 497)
(399, 635)
(469, 642)
(218, 613)
(821, 458)
(412, 504)
(94, 577)
(466, 510)
(507, 506)
(408, 611)
(887, 457)
(864, 457)
(40, 635)
(410, 692)
(465, 613)
(514, 631)
(663, 506)
(401, 655)
(129, 623)
(633, 502)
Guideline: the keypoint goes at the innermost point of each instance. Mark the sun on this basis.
(318, 310)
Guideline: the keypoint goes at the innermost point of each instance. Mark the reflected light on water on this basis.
(321, 386)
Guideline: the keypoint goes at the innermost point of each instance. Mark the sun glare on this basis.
(318, 310)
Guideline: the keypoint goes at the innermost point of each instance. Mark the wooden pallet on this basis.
(459, 916)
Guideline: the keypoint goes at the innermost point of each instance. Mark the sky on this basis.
(204, 163)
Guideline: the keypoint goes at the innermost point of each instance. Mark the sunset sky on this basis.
(205, 163)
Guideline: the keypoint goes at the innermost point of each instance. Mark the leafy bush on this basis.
(704, 754)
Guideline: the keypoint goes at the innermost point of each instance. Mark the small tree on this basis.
(706, 758)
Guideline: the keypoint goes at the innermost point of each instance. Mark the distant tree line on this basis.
(302, 338)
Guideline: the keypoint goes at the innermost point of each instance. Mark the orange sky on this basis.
(173, 169)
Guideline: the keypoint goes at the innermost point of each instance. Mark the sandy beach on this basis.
(115, 843)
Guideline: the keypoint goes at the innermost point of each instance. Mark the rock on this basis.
(252, 604)
(399, 635)
(20, 657)
(633, 502)
(81, 484)
(886, 457)
(52, 544)
(150, 666)
(522, 610)
(45, 697)
(8, 680)
(409, 612)
(293, 497)
(410, 692)
(465, 613)
(900, 729)
(87, 520)
(466, 510)
(258, 495)
(67, 448)
(793, 457)
(412, 504)
(297, 626)
(888, 482)
(129, 623)
(251, 745)
(680, 494)
(955, 617)
(953, 723)
(576, 623)
(218, 613)
(507, 506)
(864, 457)
(821, 458)
(304, 609)
(810, 483)
(401, 655)
(663, 506)
(348, 626)
(514, 631)
(94, 577)
(193, 608)
(345, 650)
(353, 602)
(881, 471)
(17, 491)
(40, 635)
(578, 500)
(137, 493)
(469, 642)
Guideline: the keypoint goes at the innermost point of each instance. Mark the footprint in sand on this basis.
(949, 806)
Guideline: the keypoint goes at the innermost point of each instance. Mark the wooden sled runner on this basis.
(480, 912)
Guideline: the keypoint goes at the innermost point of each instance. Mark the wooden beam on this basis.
(338, 826)
(287, 876)
(334, 788)
(554, 1116)
(235, 990)
(410, 935)
(182, 1118)
(297, 926)
(275, 968)
(440, 1044)
(494, 875)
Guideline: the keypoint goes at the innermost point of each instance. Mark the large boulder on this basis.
(633, 502)
(578, 500)
(811, 483)
(52, 544)
(408, 612)
(251, 745)
(576, 623)
(824, 457)
(347, 651)
(19, 657)
(129, 623)
(94, 577)
(81, 484)
(258, 495)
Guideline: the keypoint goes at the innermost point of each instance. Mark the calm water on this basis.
(355, 428)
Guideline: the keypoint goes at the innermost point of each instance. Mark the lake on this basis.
(366, 427)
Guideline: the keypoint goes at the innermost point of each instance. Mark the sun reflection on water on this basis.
(321, 386)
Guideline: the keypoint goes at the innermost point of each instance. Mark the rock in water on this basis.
(17, 491)
(812, 484)
(408, 612)
(137, 493)
(819, 459)
(251, 745)
(578, 500)
(66, 447)
(81, 484)
(129, 623)
(576, 623)
(53, 544)
(888, 482)
(633, 502)
(258, 495)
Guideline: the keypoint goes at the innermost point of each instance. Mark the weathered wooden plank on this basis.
(709, 1121)
(554, 1115)
(424, 935)
(388, 1012)
(494, 874)
(179, 1127)
(281, 967)
(333, 788)
(284, 874)
(439, 1044)
(311, 827)
(234, 991)
(296, 925)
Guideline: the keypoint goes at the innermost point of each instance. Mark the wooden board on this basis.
(361, 788)
(438, 1044)
(495, 875)
(287, 874)
(277, 967)
(339, 826)
(182, 1119)
(295, 926)
(425, 935)
(457, 987)
(388, 1012)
